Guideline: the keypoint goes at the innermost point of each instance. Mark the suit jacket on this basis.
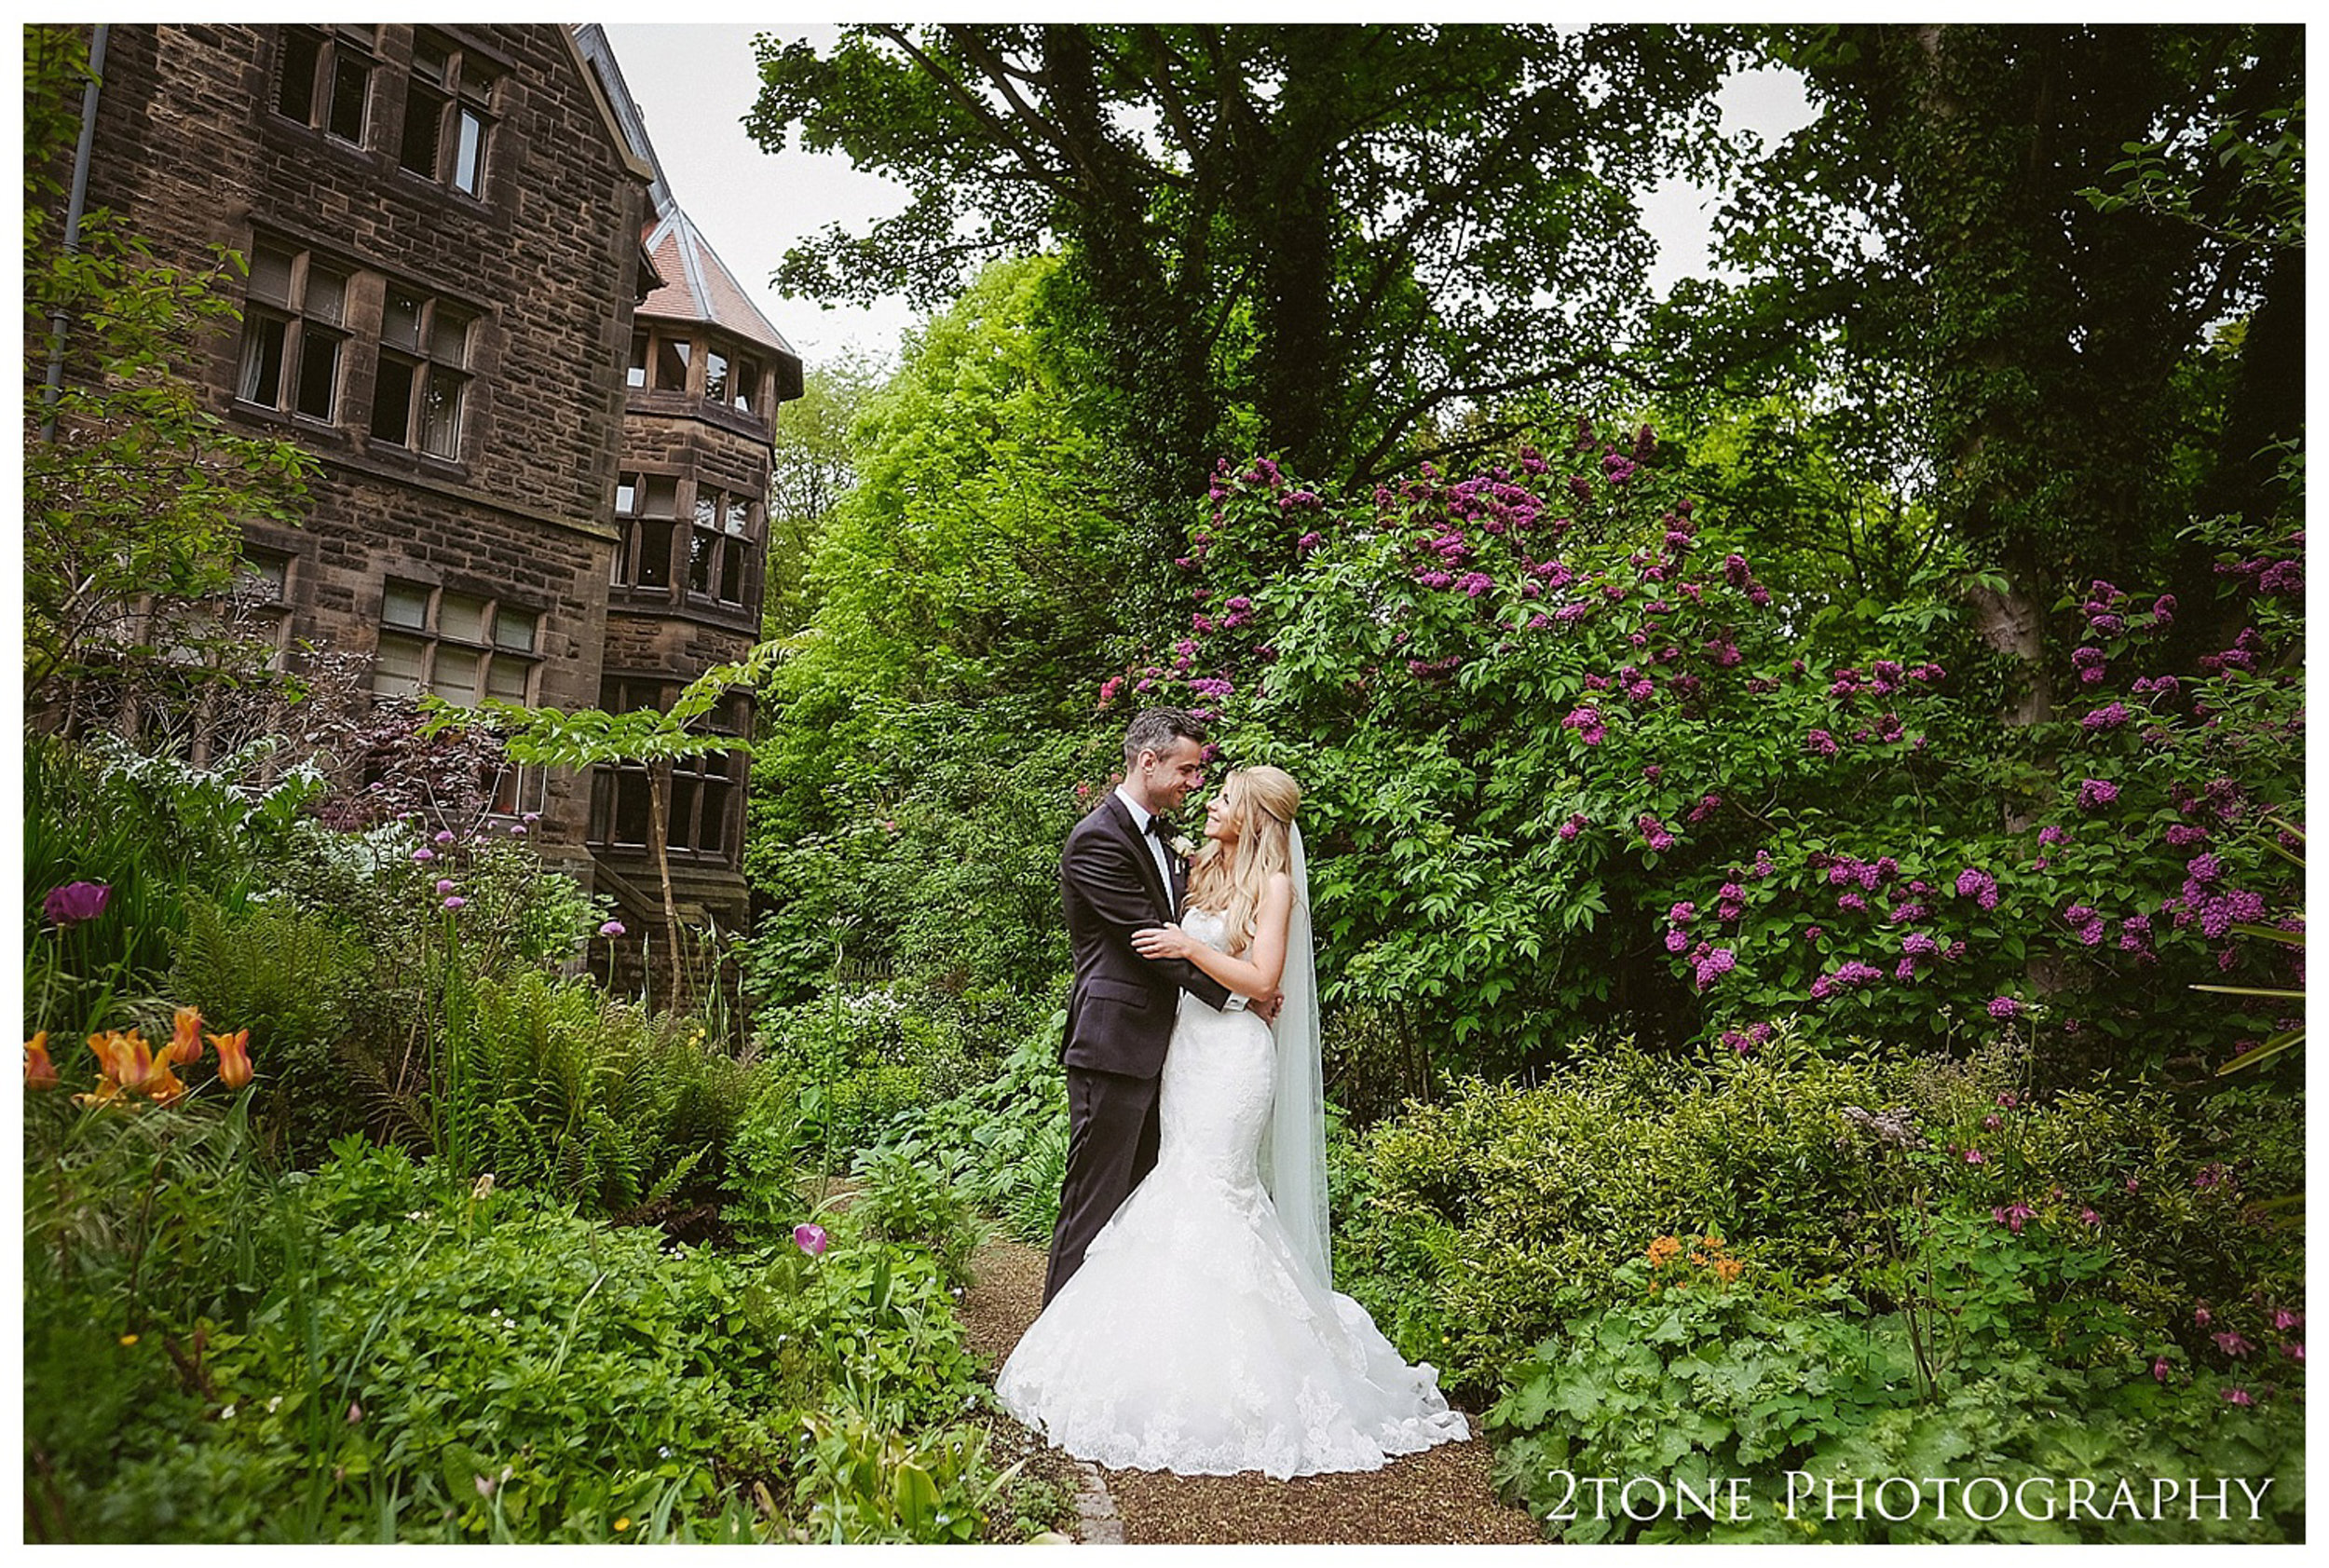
(1120, 1013)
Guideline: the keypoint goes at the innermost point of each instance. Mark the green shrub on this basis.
(1772, 1402)
(298, 981)
(553, 1084)
(416, 1358)
(904, 1203)
(1002, 1145)
(1473, 1217)
(153, 831)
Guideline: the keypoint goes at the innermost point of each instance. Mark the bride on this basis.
(1203, 1334)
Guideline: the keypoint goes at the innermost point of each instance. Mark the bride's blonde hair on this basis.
(1230, 877)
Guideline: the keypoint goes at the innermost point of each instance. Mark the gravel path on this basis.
(1440, 1496)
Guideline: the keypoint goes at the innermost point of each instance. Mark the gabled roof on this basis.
(697, 286)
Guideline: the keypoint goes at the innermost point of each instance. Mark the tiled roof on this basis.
(697, 286)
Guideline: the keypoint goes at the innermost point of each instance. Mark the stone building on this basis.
(541, 406)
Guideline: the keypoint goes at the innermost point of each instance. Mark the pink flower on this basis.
(444, 885)
(1975, 1157)
(2159, 1369)
(2233, 1342)
(424, 854)
(2238, 1397)
(810, 1239)
(445, 835)
(2284, 1319)
(612, 928)
(2201, 1316)
(456, 903)
(2013, 1216)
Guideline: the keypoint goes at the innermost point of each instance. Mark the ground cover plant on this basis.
(417, 1251)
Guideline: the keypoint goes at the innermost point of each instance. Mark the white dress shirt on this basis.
(1157, 851)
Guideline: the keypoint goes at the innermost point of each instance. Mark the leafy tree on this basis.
(924, 734)
(133, 489)
(585, 738)
(811, 469)
(1322, 239)
(1931, 255)
(965, 566)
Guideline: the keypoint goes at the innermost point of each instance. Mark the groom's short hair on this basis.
(1157, 728)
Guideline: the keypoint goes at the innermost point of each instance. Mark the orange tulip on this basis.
(40, 1072)
(186, 1039)
(124, 1061)
(125, 1056)
(162, 1084)
(234, 1057)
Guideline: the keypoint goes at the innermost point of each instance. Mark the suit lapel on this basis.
(1167, 898)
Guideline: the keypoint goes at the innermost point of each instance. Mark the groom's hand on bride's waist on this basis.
(1266, 1007)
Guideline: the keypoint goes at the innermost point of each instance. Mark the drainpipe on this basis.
(72, 225)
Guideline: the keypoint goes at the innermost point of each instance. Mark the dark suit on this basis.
(1120, 1020)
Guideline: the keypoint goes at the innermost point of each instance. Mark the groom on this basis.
(1119, 872)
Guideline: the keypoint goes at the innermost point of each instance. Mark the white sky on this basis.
(695, 81)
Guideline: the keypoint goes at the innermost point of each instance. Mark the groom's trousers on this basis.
(1112, 1131)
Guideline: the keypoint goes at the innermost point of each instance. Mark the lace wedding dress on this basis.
(1193, 1339)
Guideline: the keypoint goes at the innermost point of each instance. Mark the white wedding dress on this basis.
(1193, 1339)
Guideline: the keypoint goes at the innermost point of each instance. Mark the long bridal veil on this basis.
(1294, 1145)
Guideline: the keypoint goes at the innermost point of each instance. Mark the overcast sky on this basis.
(694, 82)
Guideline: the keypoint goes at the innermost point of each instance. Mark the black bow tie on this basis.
(1159, 826)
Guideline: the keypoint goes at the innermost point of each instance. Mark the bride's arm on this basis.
(1256, 974)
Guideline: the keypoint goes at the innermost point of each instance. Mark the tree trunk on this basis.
(659, 840)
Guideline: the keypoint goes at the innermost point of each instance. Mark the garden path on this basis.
(1440, 1496)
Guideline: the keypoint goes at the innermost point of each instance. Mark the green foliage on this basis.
(154, 830)
(1002, 1145)
(1480, 1218)
(554, 1086)
(372, 1352)
(813, 465)
(904, 1202)
(2024, 344)
(298, 982)
(1799, 1396)
(1283, 229)
(864, 1484)
(1568, 758)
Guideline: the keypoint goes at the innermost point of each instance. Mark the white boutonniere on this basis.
(1182, 847)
